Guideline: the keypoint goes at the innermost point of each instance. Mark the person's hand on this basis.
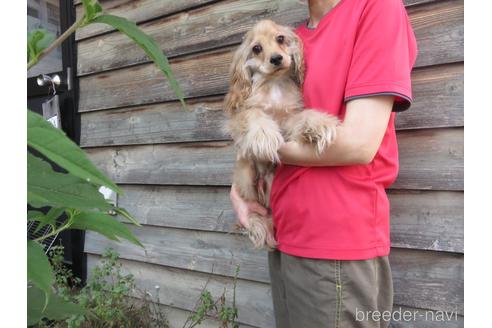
(244, 208)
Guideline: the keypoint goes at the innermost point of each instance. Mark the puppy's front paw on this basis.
(321, 134)
(262, 144)
(313, 127)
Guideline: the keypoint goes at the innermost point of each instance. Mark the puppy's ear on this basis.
(297, 54)
(240, 78)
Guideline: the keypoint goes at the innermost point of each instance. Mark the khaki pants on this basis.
(314, 293)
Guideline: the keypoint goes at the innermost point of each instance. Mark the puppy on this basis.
(265, 109)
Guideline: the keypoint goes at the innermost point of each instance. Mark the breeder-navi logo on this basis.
(405, 315)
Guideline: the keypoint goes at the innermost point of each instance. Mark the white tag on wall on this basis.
(109, 195)
(51, 111)
(54, 121)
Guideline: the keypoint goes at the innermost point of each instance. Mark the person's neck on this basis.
(319, 8)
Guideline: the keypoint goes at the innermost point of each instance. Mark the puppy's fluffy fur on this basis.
(265, 107)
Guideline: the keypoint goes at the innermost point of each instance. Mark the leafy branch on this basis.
(37, 56)
(75, 193)
(94, 14)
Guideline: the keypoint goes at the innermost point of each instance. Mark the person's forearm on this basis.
(358, 137)
(346, 150)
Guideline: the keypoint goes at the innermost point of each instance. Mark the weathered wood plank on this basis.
(136, 11)
(169, 206)
(437, 98)
(438, 27)
(424, 279)
(189, 249)
(190, 164)
(207, 75)
(406, 2)
(431, 220)
(182, 289)
(438, 102)
(177, 317)
(146, 10)
(197, 30)
(429, 159)
(409, 3)
(428, 280)
(159, 123)
(200, 75)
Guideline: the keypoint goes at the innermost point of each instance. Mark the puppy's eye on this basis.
(257, 49)
(280, 39)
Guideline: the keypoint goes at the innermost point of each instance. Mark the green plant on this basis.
(73, 193)
(217, 309)
(65, 282)
(107, 297)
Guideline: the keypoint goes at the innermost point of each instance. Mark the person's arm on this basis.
(358, 137)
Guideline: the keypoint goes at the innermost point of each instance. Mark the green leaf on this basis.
(39, 269)
(35, 215)
(38, 40)
(44, 219)
(46, 187)
(53, 214)
(105, 225)
(92, 9)
(55, 145)
(121, 211)
(147, 44)
(57, 309)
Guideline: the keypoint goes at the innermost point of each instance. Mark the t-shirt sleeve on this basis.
(384, 54)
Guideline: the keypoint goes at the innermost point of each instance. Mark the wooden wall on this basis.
(175, 165)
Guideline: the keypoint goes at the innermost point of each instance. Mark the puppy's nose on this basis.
(276, 59)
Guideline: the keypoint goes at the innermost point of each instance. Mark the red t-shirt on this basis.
(360, 48)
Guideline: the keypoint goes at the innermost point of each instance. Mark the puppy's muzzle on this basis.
(276, 59)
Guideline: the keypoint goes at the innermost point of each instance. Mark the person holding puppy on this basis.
(331, 212)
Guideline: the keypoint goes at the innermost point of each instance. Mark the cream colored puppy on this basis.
(265, 107)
